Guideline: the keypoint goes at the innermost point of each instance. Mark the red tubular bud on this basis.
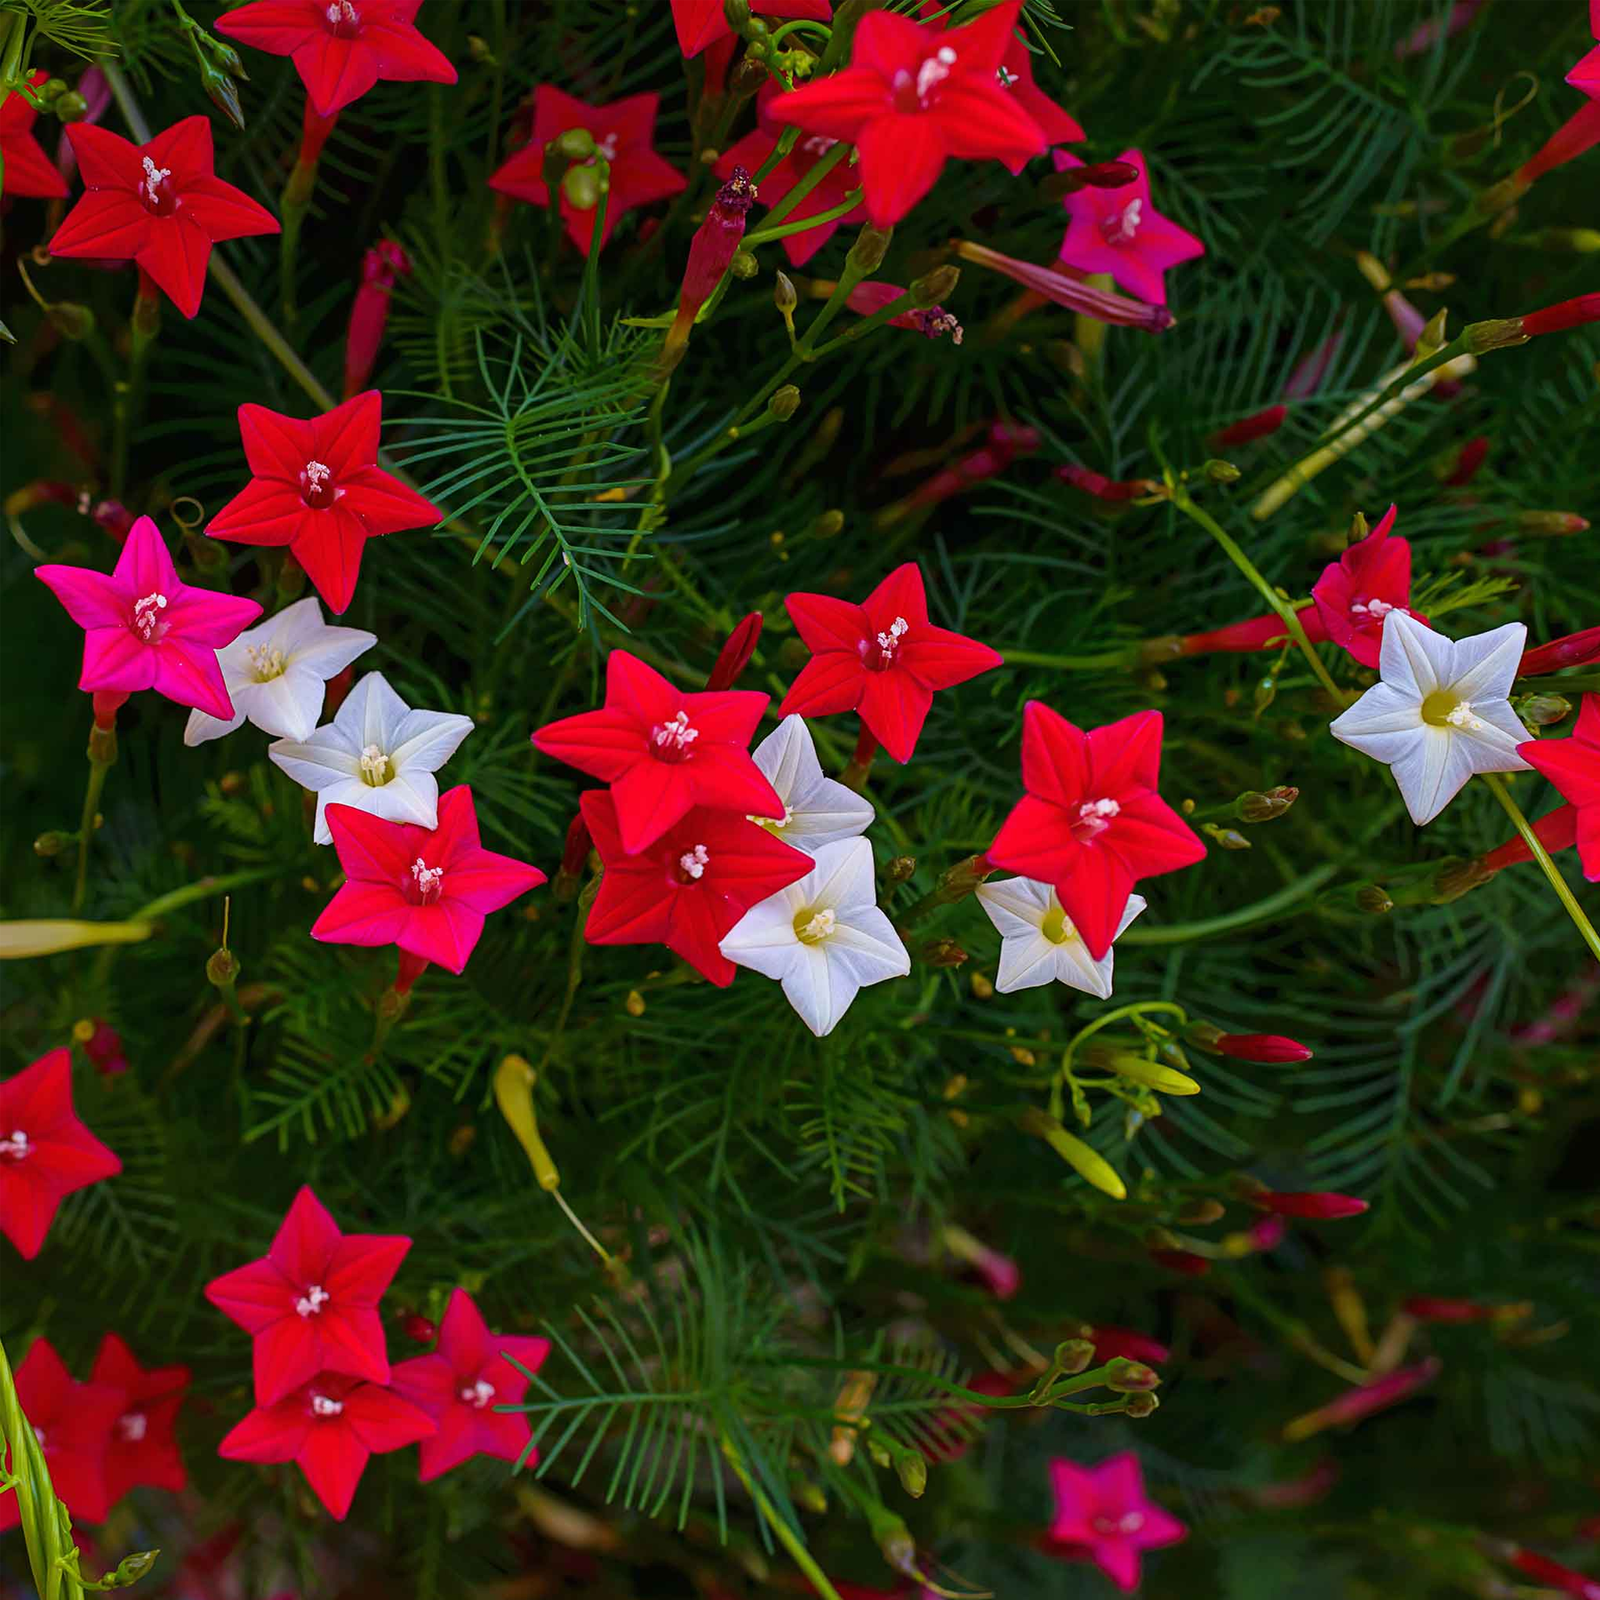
(1104, 488)
(711, 252)
(1435, 1308)
(1259, 633)
(1266, 1233)
(1111, 1341)
(1466, 465)
(1580, 132)
(1545, 1571)
(1309, 374)
(1118, 310)
(575, 853)
(107, 703)
(1248, 428)
(1271, 1048)
(1006, 442)
(1103, 175)
(369, 313)
(411, 968)
(1321, 1205)
(418, 1327)
(1571, 650)
(1551, 524)
(872, 295)
(1364, 1400)
(1184, 1261)
(734, 656)
(1556, 830)
(114, 517)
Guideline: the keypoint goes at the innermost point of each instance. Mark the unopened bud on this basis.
(943, 952)
(784, 296)
(223, 93)
(744, 265)
(911, 1468)
(1139, 1070)
(828, 525)
(634, 1004)
(1543, 710)
(934, 287)
(1141, 1405)
(1227, 838)
(899, 870)
(1457, 877)
(576, 144)
(581, 186)
(1103, 175)
(1264, 805)
(1073, 1356)
(1496, 333)
(1199, 1212)
(982, 988)
(1221, 472)
(71, 106)
(1552, 524)
(131, 1569)
(784, 403)
(898, 1548)
(1131, 1377)
(1374, 900)
(737, 14)
(1583, 241)
(51, 844)
(222, 968)
(867, 253)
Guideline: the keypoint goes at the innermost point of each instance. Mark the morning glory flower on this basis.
(1441, 712)
(377, 755)
(816, 809)
(277, 672)
(1038, 943)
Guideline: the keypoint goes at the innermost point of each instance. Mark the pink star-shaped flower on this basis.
(310, 1303)
(1572, 764)
(1091, 823)
(1118, 231)
(329, 1427)
(703, 22)
(28, 171)
(687, 889)
(160, 205)
(317, 488)
(427, 890)
(73, 1423)
(45, 1151)
(882, 658)
(142, 1448)
(462, 1382)
(144, 628)
(914, 96)
(664, 751)
(1102, 1515)
(340, 48)
(1356, 592)
(623, 131)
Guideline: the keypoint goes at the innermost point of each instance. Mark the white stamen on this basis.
(16, 1146)
(145, 613)
(819, 144)
(607, 146)
(819, 927)
(132, 1425)
(1120, 227)
(312, 1301)
(934, 71)
(38, 1434)
(266, 663)
(154, 177)
(1006, 77)
(479, 1394)
(694, 862)
(898, 629)
(1129, 1522)
(1098, 808)
(1374, 609)
(341, 11)
(773, 824)
(322, 1406)
(1461, 716)
(430, 880)
(316, 473)
(375, 768)
(675, 735)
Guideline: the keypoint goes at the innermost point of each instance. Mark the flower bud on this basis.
(71, 106)
(1551, 524)
(1320, 1205)
(576, 144)
(1271, 1048)
(634, 1003)
(735, 655)
(1363, 1400)
(1137, 1069)
(898, 870)
(581, 186)
(1184, 1261)
(1374, 900)
(51, 844)
(1111, 1341)
(737, 13)
(1460, 467)
(1571, 650)
(1458, 876)
(1088, 1163)
(1103, 175)
(785, 298)
(222, 91)
(911, 1468)
(513, 1091)
(1248, 429)
(942, 952)
(222, 968)
(1265, 805)
(744, 265)
(418, 1328)
(1141, 1405)
(1227, 838)
(1073, 1356)
(131, 1569)
(933, 287)
(867, 253)
(784, 403)
(1221, 472)
(1199, 1212)
(1543, 710)
(828, 525)
(1104, 488)
(1131, 1377)
(381, 267)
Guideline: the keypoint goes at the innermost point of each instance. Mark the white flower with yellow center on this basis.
(817, 811)
(276, 673)
(1441, 712)
(377, 754)
(823, 938)
(1038, 943)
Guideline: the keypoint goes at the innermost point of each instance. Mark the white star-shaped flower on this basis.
(377, 754)
(823, 938)
(1441, 713)
(817, 811)
(1038, 943)
(276, 673)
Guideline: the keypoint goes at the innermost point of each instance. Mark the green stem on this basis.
(46, 1525)
(1257, 911)
(1110, 658)
(201, 889)
(819, 170)
(1497, 786)
(801, 23)
(766, 234)
(787, 1537)
(98, 768)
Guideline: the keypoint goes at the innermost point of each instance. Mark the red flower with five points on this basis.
(623, 131)
(311, 1302)
(1091, 823)
(340, 48)
(144, 628)
(913, 97)
(703, 22)
(427, 890)
(664, 752)
(28, 170)
(142, 1449)
(1103, 1515)
(45, 1151)
(461, 1384)
(1572, 764)
(1356, 592)
(160, 205)
(317, 488)
(688, 888)
(882, 658)
(329, 1427)
(72, 1422)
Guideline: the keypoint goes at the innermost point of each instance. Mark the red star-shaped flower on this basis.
(882, 658)
(73, 1423)
(311, 1302)
(664, 751)
(160, 205)
(144, 628)
(832, 189)
(45, 1151)
(1356, 592)
(462, 1382)
(1091, 823)
(689, 887)
(914, 96)
(340, 48)
(318, 488)
(623, 131)
(1015, 76)
(329, 1427)
(703, 22)
(142, 1449)
(427, 890)
(28, 171)
(1572, 764)
(1102, 1515)
(1118, 231)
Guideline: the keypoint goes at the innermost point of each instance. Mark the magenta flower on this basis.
(146, 629)
(1118, 231)
(1103, 1516)
(1356, 592)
